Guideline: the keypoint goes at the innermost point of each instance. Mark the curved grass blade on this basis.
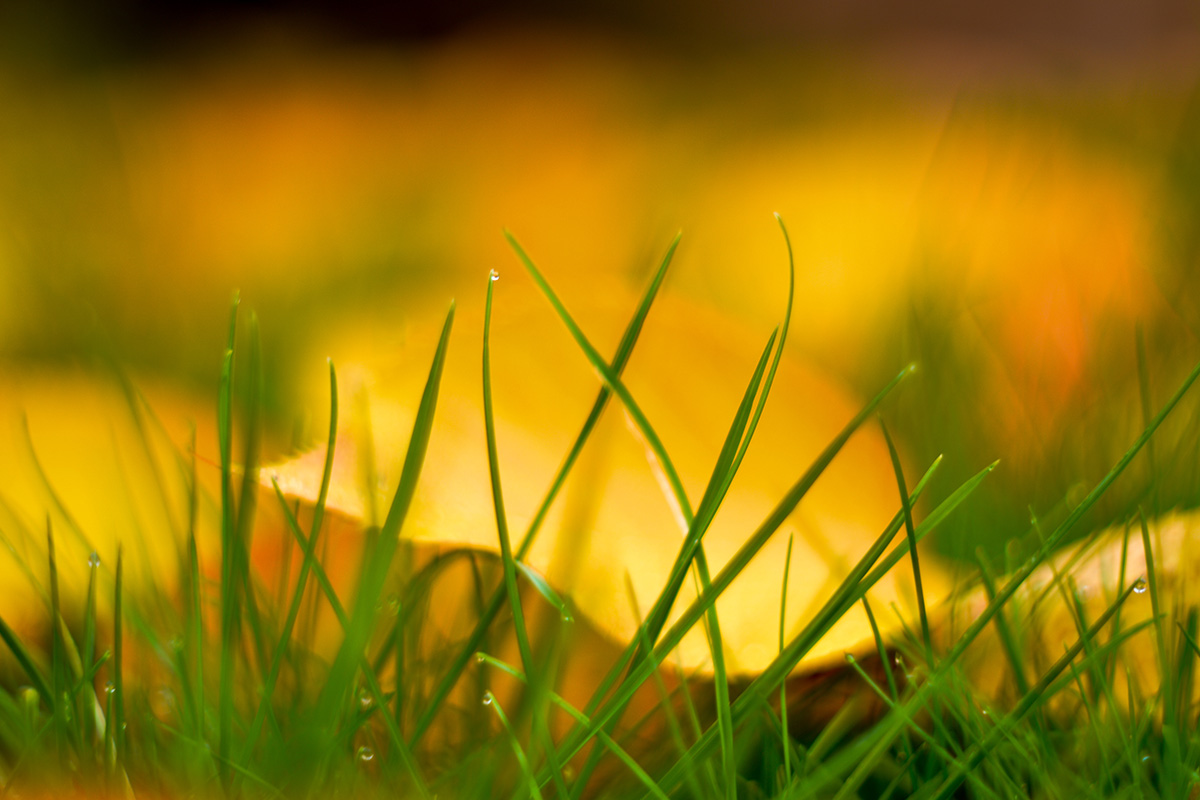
(506, 554)
(580, 718)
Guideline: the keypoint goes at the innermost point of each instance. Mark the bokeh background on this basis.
(1005, 194)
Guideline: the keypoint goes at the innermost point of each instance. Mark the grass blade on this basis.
(620, 359)
(349, 656)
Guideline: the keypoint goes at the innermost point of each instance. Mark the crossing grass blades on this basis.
(218, 690)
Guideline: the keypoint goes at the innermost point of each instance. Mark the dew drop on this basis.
(1139, 586)
(480, 658)
(110, 688)
(487, 698)
(366, 754)
(494, 275)
(365, 701)
(94, 560)
(850, 659)
(566, 617)
(393, 605)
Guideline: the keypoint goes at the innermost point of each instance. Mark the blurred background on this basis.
(1003, 193)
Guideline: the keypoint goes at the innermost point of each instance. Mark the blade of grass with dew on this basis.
(740, 559)
(116, 718)
(285, 635)
(616, 749)
(931, 741)
(369, 673)
(330, 702)
(620, 359)
(88, 656)
(861, 578)
(490, 700)
(506, 555)
(888, 671)
(1166, 676)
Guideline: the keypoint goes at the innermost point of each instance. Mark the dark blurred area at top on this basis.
(1066, 34)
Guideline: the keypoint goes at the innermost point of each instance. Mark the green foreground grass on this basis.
(231, 696)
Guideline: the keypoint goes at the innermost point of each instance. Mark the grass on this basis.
(224, 690)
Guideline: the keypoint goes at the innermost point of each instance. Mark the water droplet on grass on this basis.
(366, 754)
(487, 698)
(94, 560)
(494, 275)
(1139, 586)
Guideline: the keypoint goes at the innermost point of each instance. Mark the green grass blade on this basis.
(609, 743)
(117, 718)
(490, 700)
(230, 585)
(608, 376)
(371, 582)
(506, 554)
(912, 542)
(783, 332)
(25, 660)
(620, 359)
(783, 705)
